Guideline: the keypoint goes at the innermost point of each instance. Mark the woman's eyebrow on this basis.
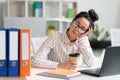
(80, 24)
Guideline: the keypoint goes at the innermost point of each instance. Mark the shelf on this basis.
(69, 0)
(59, 19)
(39, 0)
(49, 0)
(19, 0)
(55, 12)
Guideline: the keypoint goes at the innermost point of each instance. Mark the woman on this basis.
(55, 50)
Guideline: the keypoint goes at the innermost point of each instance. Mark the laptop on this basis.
(110, 65)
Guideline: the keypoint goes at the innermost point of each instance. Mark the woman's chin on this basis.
(74, 34)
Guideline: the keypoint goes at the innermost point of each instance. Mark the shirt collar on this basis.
(66, 39)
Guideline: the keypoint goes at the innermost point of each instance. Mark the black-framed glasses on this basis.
(77, 25)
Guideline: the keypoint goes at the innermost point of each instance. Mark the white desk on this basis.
(34, 71)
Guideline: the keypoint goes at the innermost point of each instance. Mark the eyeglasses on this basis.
(77, 25)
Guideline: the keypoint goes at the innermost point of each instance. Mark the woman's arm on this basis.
(87, 53)
(40, 58)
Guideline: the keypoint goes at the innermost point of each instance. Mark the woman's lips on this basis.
(75, 32)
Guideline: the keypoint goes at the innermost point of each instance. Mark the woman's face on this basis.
(79, 27)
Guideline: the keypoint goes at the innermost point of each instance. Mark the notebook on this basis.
(60, 73)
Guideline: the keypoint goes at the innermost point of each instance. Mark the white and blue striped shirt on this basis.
(56, 49)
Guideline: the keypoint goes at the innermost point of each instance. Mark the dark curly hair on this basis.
(91, 16)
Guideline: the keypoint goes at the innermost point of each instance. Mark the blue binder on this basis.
(3, 55)
(13, 42)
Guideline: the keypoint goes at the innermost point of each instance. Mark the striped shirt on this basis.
(56, 49)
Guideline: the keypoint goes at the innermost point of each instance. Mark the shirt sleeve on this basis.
(86, 51)
(40, 58)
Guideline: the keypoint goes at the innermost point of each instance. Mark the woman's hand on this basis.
(67, 65)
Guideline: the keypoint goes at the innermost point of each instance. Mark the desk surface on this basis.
(81, 77)
(34, 71)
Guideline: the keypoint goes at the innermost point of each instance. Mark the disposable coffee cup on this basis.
(74, 57)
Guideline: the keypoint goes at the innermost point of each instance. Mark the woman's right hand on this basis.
(67, 65)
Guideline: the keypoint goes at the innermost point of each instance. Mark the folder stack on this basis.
(15, 52)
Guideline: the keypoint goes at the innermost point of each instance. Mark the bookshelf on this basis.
(55, 12)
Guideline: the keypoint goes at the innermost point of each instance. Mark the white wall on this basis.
(108, 11)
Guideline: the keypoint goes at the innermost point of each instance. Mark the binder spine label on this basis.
(13, 46)
(25, 52)
(2, 45)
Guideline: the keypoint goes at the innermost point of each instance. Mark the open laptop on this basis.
(110, 65)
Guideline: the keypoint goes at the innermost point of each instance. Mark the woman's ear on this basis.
(91, 27)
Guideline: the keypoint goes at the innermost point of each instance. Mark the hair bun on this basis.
(93, 15)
